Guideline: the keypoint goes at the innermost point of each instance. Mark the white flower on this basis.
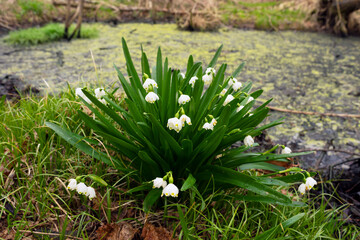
(239, 108)
(286, 150)
(159, 182)
(174, 124)
(223, 92)
(79, 93)
(228, 99)
(213, 122)
(310, 183)
(99, 93)
(249, 100)
(151, 97)
(81, 188)
(182, 75)
(183, 99)
(302, 188)
(208, 126)
(232, 81)
(90, 193)
(184, 119)
(149, 82)
(236, 86)
(72, 184)
(170, 190)
(192, 81)
(210, 70)
(207, 78)
(248, 141)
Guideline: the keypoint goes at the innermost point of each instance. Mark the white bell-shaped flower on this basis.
(302, 188)
(192, 81)
(184, 119)
(208, 126)
(228, 99)
(223, 92)
(151, 97)
(99, 93)
(213, 122)
(159, 183)
(79, 93)
(183, 99)
(149, 82)
(286, 150)
(232, 81)
(210, 70)
(170, 190)
(90, 193)
(81, 188)
(248, 141)
(174, 124)
(207, 78)
(249, 100)
(310, 183)
(182, 75)
(72, 184)
(239, 108)
(236, 86)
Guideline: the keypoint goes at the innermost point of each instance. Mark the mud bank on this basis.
(300, 71)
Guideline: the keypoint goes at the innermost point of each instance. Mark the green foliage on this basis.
(33, 6)
(265, 15)
(143, 131)
(48, 33)
(40, 162)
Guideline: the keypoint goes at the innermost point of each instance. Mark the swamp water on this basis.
(300, 71)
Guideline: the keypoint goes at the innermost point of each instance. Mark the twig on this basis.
(327, 150)
(344, 115)
(43, 233)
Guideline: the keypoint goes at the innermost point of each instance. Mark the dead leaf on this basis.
(116, 231)
(150, 232)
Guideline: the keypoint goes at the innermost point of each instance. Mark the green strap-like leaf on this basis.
(216, 56)
(235, 178)
(151, 198)
(77, 141)
(270, 234)
(189, 182)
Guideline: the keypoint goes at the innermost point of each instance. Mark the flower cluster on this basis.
(211, 125)
(209, 75)
(168, 189)
(192, 81)
(309, 184)
(236, 85)
(99, 93)
(178, 123)
(81, 188)
(149, 86)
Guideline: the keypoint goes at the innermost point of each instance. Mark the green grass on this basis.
(36, 163)
(264, 15)
(48, 33)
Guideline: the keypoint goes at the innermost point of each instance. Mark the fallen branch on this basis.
(327, 150)
(316, 113)
(48, 234)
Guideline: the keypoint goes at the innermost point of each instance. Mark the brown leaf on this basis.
(116, 231)
(150, 232)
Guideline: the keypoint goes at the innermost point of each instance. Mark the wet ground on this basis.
(301, 71)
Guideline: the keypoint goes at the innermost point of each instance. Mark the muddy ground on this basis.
(300, 71)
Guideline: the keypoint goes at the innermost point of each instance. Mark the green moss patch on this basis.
(48, 33)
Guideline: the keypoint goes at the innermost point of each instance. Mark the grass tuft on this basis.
(48, 33)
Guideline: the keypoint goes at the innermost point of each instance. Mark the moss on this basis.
(49, 33)
(301, 71)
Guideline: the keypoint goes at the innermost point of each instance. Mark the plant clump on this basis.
(176, 135)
